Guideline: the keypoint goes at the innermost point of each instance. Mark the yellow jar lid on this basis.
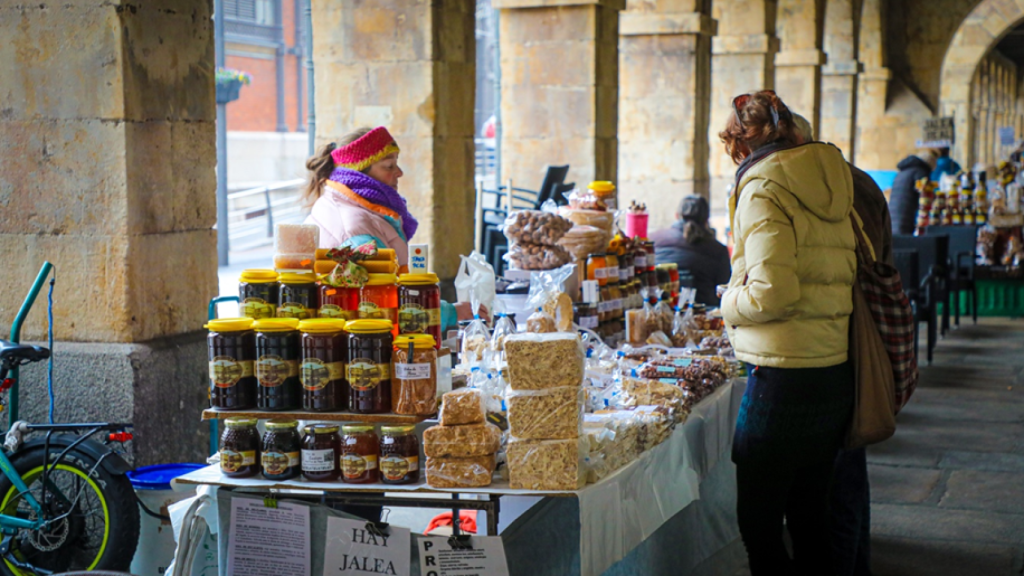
(258, 276)
(229, 324)
(381, 279)
(417, 340)
(239, 422)
(368, 326)
(602, 186)
(282, 424)
(276, 324)
(397, 429)
(322, 429)
(357, 428)
(428, 278)
(321, 325)
(297, 278)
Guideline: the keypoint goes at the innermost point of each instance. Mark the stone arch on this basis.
(983, 28)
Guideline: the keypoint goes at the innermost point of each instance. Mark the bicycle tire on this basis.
(121, 513)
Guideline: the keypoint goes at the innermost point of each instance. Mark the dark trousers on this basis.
(851, 514)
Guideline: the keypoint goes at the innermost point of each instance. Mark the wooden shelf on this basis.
(215, 414)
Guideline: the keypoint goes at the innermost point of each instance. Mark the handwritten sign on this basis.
(354, 550)
(937, 133)
(486, 558)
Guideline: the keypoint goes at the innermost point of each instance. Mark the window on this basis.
(250, 11)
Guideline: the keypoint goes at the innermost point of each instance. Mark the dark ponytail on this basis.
(320, 168)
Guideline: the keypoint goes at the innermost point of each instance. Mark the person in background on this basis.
(904, 197)
(690, 244)
(944, 165)
(850, 502)
(787, 310)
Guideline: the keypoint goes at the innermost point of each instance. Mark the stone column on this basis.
(410, 66)
(798, 64)
(839, 77)
(107, 158)
(872, 87)
(743, 60)
(665, 88)
(559, 88)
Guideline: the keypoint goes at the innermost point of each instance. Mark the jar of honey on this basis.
(360, 452)
(399, 455)
(419, 305)
(612, 267)
(240, 448)
(258, 293)
(321, 453)
(338, 302)
(378, 299)
(322, 372)
(368, 369)
(596, 268)
(232, 353)
(298, 296)
(278, 351)
(280, 453)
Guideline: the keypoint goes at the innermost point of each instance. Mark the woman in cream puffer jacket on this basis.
(787, 311)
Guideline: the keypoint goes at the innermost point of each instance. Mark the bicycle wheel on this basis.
(100, 529)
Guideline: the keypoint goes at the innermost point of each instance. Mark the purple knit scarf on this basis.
(378, 193)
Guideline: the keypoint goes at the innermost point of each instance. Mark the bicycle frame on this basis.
(30, 299)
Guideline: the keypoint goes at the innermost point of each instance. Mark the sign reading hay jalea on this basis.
(937, 133)
(354, 549)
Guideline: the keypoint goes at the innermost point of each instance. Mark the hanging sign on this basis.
(356, 548)
(479, 556)
(1007, 137)
(937, 133)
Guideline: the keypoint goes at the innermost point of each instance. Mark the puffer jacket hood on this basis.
(816, 174)
(913, 162)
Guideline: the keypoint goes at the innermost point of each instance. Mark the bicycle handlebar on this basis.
(30, 299)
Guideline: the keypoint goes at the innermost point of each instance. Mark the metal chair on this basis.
(962, 245)
(932, 259)
(921, 291)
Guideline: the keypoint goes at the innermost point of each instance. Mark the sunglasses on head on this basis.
(740, 102)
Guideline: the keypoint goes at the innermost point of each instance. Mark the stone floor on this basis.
(947, 491)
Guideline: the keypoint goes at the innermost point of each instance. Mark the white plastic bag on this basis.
(475, 278)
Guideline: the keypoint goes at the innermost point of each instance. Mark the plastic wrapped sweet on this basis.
(554, 413)
(659, 338)
(582, 240)
(503, 328)
(547, 464)
(462, 406)
(461, 441)
(641, 323)
(598, 219)
(585, 200)
(540, 322)
(546, 294)
(535, 227)
(471, 472)
(295, 246)
(523, 256)
(646, 392)
(541, 361)
(663, 309)
(475, 337)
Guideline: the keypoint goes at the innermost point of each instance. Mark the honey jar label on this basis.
(414, 319)
(231, 461)
(279, 462)
(395, 468)
(225, 371)
(412, 371)
(335, 311)
(354, 465)
(318, 460)
(258, 308)
(316, 373)
(273, 370)
(294, 310)
(370, 310)
(363, 374)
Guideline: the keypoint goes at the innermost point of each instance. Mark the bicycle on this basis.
(65, 501)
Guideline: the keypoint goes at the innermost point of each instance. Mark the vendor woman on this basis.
(353, 191)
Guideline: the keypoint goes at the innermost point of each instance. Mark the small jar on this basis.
(414, 375)
(368, 370)
(298, 296)
(596, 270)
(586, 315)
(277, 364)
(360, 452)
(338, 302)
(281, 450)
(322, 372)
(399, 455)
(419, 305)
(321, 453)
(232, 354)
(258, 293)
(378, 299)
(240, 448)
(612, 267)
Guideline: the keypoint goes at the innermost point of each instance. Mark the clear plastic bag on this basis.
(540, 361)
(462, 406)
(551, 414)
(470, 472)
(523, 256)
(536, 227)
(583, 240)
(547, 464)
(475, 338)
(461, 441)
(659, 338)
(664, 311)
(683, 327)
(585, 200)
(475, 282)
(546, 294)
(641, 323)
(540, 322)
(503, 328)
(414, 395)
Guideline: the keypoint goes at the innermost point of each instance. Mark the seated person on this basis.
(690, 244)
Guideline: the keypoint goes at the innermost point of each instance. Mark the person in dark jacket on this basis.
(904, 197)
(690, 244)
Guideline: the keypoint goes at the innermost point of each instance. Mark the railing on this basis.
(485, 161)
(253, 213)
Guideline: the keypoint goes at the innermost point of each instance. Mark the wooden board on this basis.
(213, 413)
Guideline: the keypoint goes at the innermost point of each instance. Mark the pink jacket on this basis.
(340, 219)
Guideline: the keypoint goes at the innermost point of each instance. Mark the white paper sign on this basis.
(487, 558)
(268, 541)
(352, 550)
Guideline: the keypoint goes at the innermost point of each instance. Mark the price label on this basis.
(412, 371)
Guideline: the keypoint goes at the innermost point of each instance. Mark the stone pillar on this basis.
(559, 88)
(798, 64)
(743, 60)
(872, 87)
(839, 77)
(410, 66)
(107, 159)
(665, 88)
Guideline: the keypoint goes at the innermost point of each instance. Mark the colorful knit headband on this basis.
(372, 147)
